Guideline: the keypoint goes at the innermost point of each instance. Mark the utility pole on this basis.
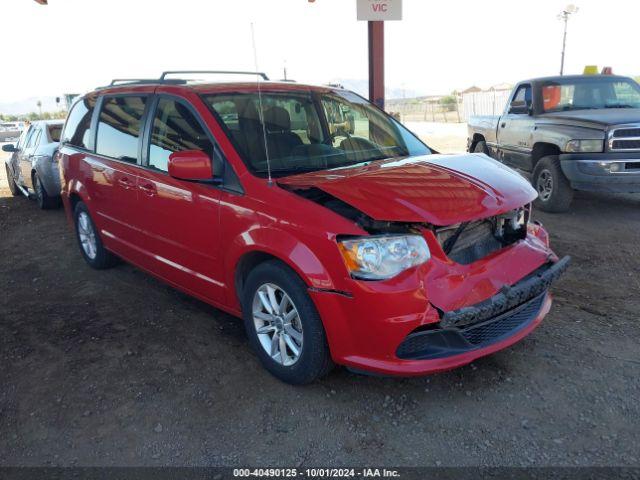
(564, 16)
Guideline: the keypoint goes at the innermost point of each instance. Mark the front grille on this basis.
(494, 329)
(625, 144)
(626, 132)
(624, 139)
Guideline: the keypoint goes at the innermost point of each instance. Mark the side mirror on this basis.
(192, 165)
(9, 147)
(520, 108)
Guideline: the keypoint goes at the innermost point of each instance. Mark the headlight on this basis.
(584, 146)
(377, 258)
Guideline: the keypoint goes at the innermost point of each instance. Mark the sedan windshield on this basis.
(590, 93)
(307, 131)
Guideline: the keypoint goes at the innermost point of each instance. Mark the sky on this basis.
(439, 46)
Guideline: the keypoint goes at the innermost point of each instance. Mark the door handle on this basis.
(125, 183)
(148, 188)
(503, 124)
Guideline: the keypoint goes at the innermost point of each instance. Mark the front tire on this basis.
(481, 147)
(554, 190)
(13, 188)
(89, 240)
(283, 325)
(45, 202)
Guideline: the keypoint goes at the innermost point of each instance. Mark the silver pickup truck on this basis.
(579, 132)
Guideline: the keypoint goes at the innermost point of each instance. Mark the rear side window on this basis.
(77, 127)
(119, 127)
(175, 129)
(54, 132)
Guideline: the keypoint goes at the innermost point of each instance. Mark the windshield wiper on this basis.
(620, 105)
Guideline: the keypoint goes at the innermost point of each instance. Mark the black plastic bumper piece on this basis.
(508, 297)
(487, 322)
(446, 342)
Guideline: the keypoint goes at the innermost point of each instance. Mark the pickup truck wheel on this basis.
(13, 188)
(481, 147)
(283, 325)
(554, 190)
(89, 240)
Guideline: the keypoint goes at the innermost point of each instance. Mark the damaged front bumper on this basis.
(486, 323)
(489, 304)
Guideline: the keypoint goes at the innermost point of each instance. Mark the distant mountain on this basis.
(29, 105)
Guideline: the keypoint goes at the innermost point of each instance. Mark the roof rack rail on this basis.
(223, 72)
(116, 81)
(178, 81)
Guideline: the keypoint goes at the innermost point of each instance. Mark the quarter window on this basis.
(175, 129)
(119, 127)
(77, 127)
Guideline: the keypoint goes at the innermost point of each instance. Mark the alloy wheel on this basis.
(87, 235)
(277, 324)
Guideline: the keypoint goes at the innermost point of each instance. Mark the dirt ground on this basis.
(115, 368)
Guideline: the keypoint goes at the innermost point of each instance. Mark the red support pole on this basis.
(376, 63)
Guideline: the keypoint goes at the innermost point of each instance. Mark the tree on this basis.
(449, 102)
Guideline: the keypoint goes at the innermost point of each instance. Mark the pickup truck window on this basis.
(523, 95)
(590, 93)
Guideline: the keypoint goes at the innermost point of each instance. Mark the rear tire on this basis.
(554, 190)
(13, 188)
(45, 202)
(89, 240)
(481, 147)
(300, 353)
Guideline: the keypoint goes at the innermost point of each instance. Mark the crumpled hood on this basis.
(436, 189)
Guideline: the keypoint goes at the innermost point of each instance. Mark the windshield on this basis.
(307, 131)
(590, 93)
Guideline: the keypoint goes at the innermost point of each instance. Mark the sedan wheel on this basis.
(39, 193)
(277, 323)
(12, 184)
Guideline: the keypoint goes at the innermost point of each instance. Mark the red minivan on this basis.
(334, 232)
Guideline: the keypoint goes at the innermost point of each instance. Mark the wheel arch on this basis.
(261, 245)
(541, 150)
(477, 137)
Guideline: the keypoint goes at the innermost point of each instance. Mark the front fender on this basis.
(282, 245)
(559, 135)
